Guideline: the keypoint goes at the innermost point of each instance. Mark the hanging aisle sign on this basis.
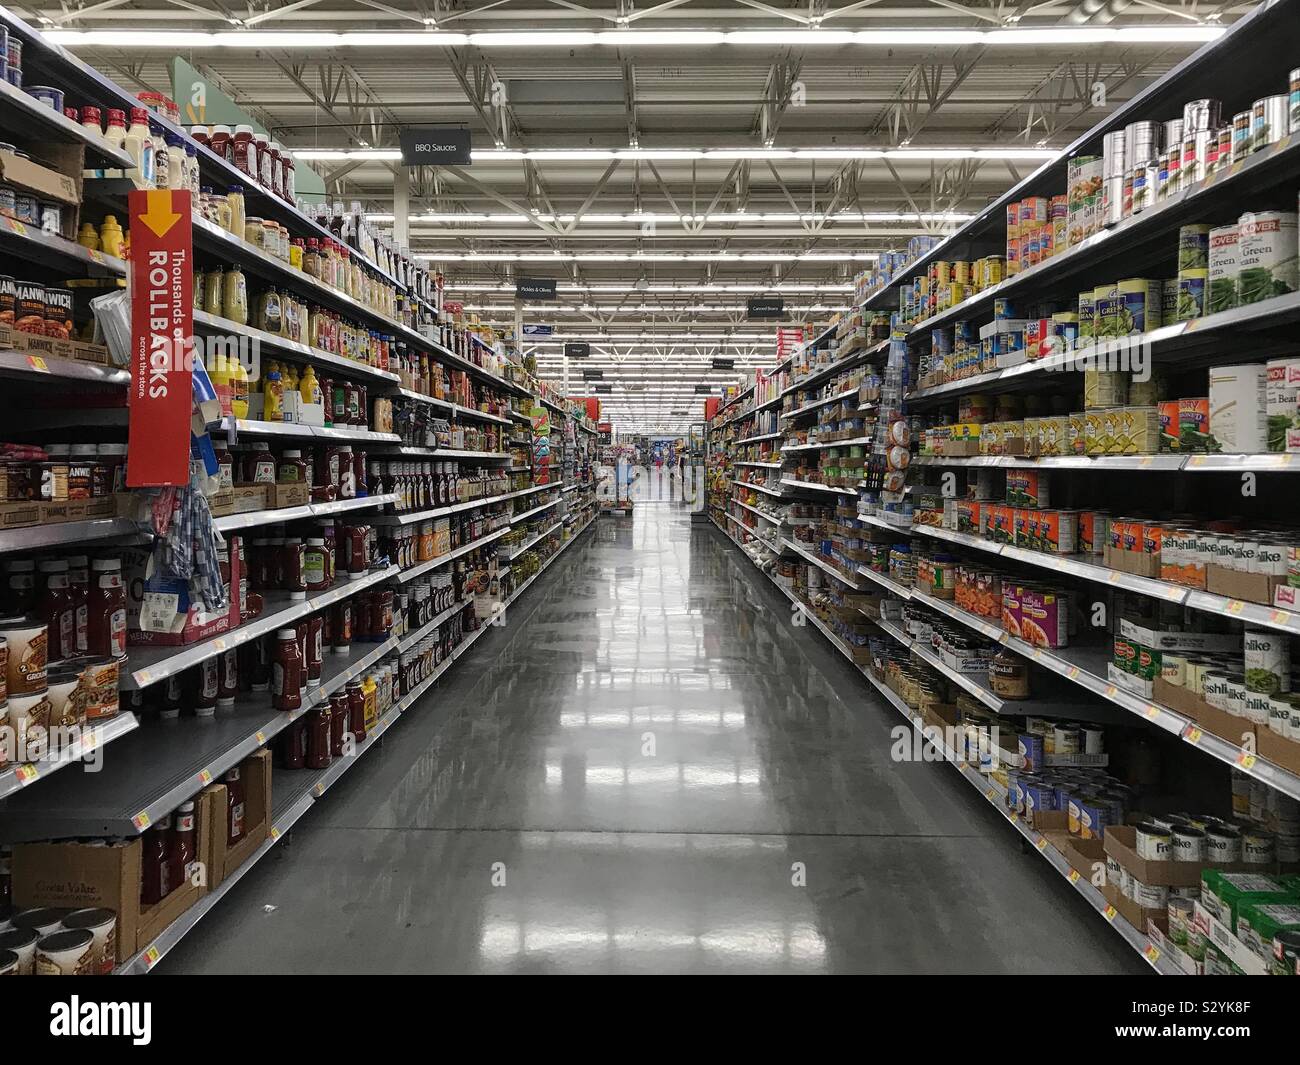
(535, 288)
(766, 307)
(435, 146)
(162, 332)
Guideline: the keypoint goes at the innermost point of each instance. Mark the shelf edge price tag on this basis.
(1109, 912)
(205, 777)
(1152, 953)
(1246, 760)
(275, 832)
(261, 737)
(152, 957)
(26, 773)
(1042, 843)
(1193, 735)
(141, 820)
(1073, 876)
(37, 363)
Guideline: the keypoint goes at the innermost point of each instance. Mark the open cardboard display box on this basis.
(222, 860)
(76, 875)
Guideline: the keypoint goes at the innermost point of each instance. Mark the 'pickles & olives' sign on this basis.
(162, 331)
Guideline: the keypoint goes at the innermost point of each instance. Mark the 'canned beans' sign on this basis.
(162, 330)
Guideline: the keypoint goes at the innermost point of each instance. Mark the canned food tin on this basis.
(1222, 845)
(27, 646)
(1187, 844)
(1242, 135)
(1270, 120)
(102, 923)
(67, 953)
(1200, 115)
(1258, 848)
(1153, 842)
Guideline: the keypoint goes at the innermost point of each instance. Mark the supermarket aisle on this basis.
(630, 777)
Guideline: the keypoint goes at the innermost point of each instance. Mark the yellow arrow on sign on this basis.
(159, 216)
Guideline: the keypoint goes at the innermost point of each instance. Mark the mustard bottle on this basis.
(219, 375)
(272, 398)
(290, 379)
(110, 236)
(309, 387)
(87, 237)
(238, 389)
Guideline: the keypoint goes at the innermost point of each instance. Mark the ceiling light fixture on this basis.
(903, 153)
(1048, 36)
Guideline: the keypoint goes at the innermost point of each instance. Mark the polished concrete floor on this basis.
(649, 769)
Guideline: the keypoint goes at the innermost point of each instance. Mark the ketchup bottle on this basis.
(182, 850)
(319, 736)
(234, 807)
(155, 867)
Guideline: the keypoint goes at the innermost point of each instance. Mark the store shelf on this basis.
(825, 373)
(413, 637)
(281, 515)
(857, 441)
(293, 793)
(148, 665)
(992, 793)
(407, 517)
(455, 410)
(761, 513)
(813, 486)
(760, 488)
(447, 453)
(809, 408)
(257, 430)
(755, 439)
(93, 737)
(529, 543)
(821, 563)
(433, 563)
(61, 534)
(19, 366)
(1103, 463)
(294, 349)
(1225, 189)
(535, 510)
(887, 583)
(54, 252)
(760, 465)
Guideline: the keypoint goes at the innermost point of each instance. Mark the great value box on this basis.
(78, 875)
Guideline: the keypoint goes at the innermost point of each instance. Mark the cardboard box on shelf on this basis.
(77, 875)
(1252, 587)
(19, 515)
(1175, 640)
(249, 497)
(289, 495)
(1134, 914)
(1121, 844)
(1280, 750)
(222, 860)
(1237, 730)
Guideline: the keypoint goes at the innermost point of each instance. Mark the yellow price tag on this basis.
(143, 678)
(261, 737)
(319, 790)
(1246, 760)
(218, 644)
(1109, 913)
(1152, 953)
(1280, 617)
(1193, 735)
(275, 832)
(1111, 690)
(1073, 878)
(27, 773)
(1235, 607)
(1072, 672)
(97, 256)
(141, 820)
(1152, 710)
(991, 795)
(205, 777)
(1042, 843)
(1013, 817)
(17, 227)
(38, 363)
(152, 957)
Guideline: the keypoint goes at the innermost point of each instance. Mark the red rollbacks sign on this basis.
(162, 331)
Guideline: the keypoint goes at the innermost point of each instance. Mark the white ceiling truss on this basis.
(775, 77)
